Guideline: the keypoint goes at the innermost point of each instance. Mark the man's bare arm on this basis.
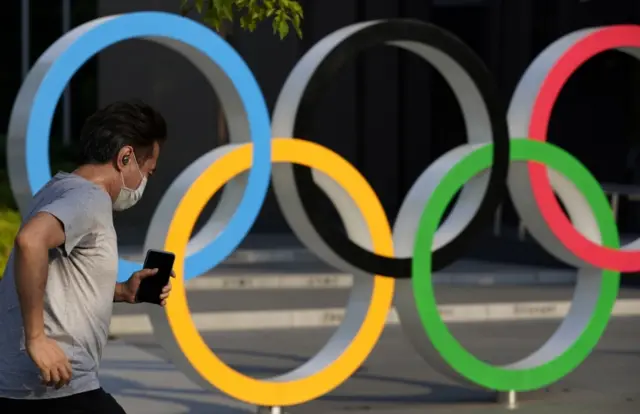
(32, 244)
(119, 294)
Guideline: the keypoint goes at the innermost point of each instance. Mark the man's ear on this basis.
(124, 157)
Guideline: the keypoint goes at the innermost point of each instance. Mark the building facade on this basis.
(388, 112)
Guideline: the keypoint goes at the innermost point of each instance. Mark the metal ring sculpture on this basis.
(383, 261)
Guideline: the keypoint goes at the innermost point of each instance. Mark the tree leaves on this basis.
(285, 14)
(199, 4)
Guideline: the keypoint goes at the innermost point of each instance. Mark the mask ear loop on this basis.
(125, 161)
(124, 186)
(137, 165)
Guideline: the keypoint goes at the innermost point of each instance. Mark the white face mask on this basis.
(128, 197)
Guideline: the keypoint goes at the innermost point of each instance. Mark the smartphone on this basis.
(151, 287)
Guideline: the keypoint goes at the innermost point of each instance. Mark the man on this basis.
(59, 285)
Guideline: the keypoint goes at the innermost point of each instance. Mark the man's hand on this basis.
(127, 292)
(54, 366)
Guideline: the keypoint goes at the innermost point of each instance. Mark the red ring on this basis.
(602, 40)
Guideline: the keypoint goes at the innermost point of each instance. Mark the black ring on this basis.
(375, 35)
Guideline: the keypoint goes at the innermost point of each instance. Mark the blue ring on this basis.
(136, 25)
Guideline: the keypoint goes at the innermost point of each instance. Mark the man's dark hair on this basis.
(121, 123)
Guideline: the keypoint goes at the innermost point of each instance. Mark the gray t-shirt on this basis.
(79, 294)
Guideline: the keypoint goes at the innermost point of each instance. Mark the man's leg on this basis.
(96, 402)
(91, 402)
(9, 405)
(110, 404)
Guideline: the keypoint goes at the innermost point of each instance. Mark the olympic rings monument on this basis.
(390, 263)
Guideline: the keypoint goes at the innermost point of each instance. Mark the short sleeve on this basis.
(75, 209)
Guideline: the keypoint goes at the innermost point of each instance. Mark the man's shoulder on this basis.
(72, 193)
(72, 188)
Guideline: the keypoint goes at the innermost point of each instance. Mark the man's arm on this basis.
(62, 223)
(119, 295)
(40, 234)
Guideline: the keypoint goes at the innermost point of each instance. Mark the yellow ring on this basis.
(200, 356)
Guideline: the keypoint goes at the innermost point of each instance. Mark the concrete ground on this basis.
(394, 380)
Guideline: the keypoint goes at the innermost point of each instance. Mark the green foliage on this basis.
(285, 14)
(9, 226)
(6, 196)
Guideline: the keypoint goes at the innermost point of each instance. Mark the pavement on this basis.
(259, 309)
(143, 383)
(311, 295)
(292, 261)
(281, 294)
(247, 308)
(394, 379)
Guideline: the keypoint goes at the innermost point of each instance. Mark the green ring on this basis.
(463, 362)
